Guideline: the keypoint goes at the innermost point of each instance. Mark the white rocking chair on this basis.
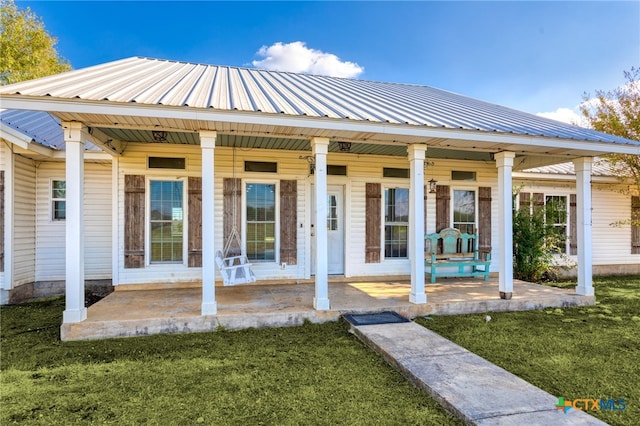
(234, 269)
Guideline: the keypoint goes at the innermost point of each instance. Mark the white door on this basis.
(335, 230)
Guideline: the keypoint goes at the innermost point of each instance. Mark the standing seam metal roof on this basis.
(162, 82)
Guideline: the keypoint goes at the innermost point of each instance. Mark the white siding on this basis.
(4, 152)
(24, 237)
(50, 251)
(611, 204)
(134, 162)
(361, 169)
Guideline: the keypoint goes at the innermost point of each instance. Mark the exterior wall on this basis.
(611, 243)
(50, 247)
(24, 223)
(4, 153)
(361, 170)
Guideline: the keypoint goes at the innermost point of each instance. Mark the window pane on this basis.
(261, 216)
(396, 222)
(59, 210)
(166, 221)
(464, 210)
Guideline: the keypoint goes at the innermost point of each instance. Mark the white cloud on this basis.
(297, 57)
(566, 115)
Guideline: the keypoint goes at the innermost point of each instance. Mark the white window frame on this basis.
(244, 183)
(385, 187)
(567, 215)
(452, 205)
(54, 200)
(147, 220)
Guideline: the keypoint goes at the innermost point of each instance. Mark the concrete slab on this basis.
(470, 387)
(161, 308)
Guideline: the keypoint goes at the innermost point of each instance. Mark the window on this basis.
(464, 210)
(396, 222)
(391, 172)
(462, 175)
(166, 163)
(260, 166)
(58, 200)
(261, 221)
(167, 219)
(556, 216)
(332, 212)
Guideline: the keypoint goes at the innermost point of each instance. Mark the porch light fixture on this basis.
(312, 162)
(432, 186)
(159, 135)
(344, 146)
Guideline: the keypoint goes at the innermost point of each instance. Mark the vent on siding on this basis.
(167, 163)
(260, 166)
(391, 172)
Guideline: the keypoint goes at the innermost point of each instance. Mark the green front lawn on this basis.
(314, 375)
(586, 352)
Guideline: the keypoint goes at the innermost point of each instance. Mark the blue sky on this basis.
(532, 56)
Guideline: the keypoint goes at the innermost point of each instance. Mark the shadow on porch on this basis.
(177, 310)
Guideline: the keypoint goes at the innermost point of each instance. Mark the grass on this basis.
(313, 374)
(583, 352)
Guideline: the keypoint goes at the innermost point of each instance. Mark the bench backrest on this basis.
(453, 241)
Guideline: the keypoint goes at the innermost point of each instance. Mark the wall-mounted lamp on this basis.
(159, 135)
(432, 186)
(312, 162)
(344, 146)
(432, 183)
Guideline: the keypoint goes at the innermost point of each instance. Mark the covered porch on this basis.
(160, 310)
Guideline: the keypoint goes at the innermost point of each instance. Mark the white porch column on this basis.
(75, 311)
(320, 148)
(9, 189)
(416, 223)
(207, 146)
(583, 204)
(504, 162)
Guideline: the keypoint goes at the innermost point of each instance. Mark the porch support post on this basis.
(75, 311)
(320, 147)
(207, 146)
(504, 162)
(583, 203)
(9, 191)
(416, 223)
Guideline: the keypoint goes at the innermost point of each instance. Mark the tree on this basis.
(26, 49)
(617, 112)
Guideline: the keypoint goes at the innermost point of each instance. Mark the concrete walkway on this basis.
(465, 384)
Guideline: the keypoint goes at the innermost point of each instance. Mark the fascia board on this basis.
(389, 129)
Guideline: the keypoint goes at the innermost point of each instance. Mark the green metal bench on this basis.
(450, 253)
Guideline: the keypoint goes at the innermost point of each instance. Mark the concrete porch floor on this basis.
(131, 312)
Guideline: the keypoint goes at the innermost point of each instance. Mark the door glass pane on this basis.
(464, 210)
(332, 213)
(261, 221)
(167, 220)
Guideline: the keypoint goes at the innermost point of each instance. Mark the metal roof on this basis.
(148, 81)
(600, 167)
(41, 127)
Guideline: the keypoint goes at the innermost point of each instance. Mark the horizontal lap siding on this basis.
(24, 223)
(289, 167)
(611, 244)
(50, 248)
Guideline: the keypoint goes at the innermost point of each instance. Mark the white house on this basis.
(160, 162)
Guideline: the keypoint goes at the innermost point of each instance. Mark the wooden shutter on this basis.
(524, 201)
(232, 190)
(484, 222)
(538, 201)
(1, 220)
(195, 222)
(573, 225)
(443, 206)
(134, 187)
(635, 225)
(373, 222)
(289, 221)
